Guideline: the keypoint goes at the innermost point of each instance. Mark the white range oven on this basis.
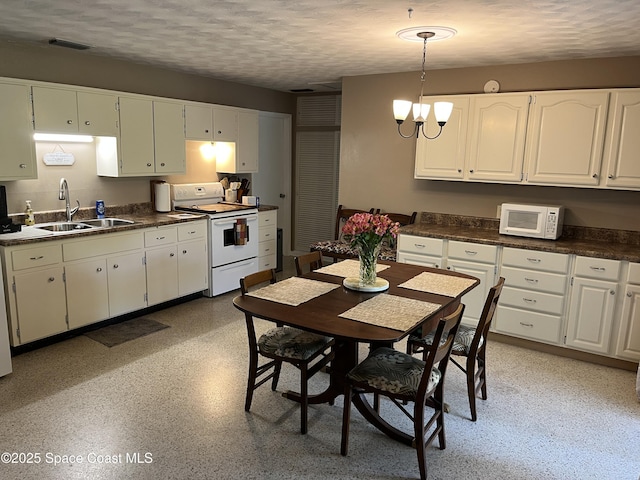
(233, 233)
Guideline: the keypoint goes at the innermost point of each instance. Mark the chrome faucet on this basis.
(63, 194)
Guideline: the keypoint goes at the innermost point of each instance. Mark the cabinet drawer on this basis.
(424, 260)
(534, 280)
(475, 252)
(101, 245)
(191, 231)
(268, 218)
(535, 260)
(267, 248)
(634, 273)
(421, 245)
(600, 268)
(536, 326)
(530, 300)
(265, 263)
(267, 233)
(36, 257)
(160, 236)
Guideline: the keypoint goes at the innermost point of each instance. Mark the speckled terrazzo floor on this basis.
(178, 394)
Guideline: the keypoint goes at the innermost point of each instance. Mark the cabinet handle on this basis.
(267, 234)
(598, 269)
(471, 171)
(595, 175)
(162, 164)
(51, 279)
(39, 257)
(69, 122)
(629, 294)
(115, 265)
(267, 249)
(610, 176)
(526, 324)
(206, 130)
(171, 254)
(148, 164)
(160, 238)
(99, 269)
(184, 252)
(533, 260)
(612, 292)
(23, 165)
(470, 252)
(191, 232)
(87, 122)
(419, 245)
(459, 170)
(531, 280)
(529, 300)
(219, 132)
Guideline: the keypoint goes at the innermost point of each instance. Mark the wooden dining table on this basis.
(325, 314)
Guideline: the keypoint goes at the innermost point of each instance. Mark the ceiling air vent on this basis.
(58, 42)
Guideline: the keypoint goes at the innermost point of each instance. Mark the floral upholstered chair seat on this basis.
(344, 250)
(461, 344)
(392, 371)
(291, 343)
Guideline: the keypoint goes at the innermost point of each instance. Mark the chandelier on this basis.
(401, 108)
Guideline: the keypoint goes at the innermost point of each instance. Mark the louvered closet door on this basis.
(316, 187)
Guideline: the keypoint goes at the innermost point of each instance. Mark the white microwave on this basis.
(533, 221)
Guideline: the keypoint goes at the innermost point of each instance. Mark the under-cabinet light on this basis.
(55, 137)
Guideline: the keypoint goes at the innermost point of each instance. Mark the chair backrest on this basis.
(482, 330)
(342, 216)
(257, 278)
(308, 262)
(437, 354)
(402, 219)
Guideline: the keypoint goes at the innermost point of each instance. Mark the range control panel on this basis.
(196, 191)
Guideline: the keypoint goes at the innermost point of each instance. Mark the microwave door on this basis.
(523, 221)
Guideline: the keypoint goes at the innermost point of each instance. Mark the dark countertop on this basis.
(265, 208)
(607, 244)
(143, 218)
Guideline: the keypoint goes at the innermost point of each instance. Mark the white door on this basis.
(272, 183)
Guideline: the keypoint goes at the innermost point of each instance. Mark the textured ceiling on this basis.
(285, 44)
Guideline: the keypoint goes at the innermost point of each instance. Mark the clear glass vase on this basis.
(368, 256)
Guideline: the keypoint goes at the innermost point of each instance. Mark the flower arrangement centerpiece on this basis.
(366, 232)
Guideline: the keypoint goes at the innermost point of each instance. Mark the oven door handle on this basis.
(231, 221)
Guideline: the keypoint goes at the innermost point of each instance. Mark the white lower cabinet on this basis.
(593, 301)
(267, 243)
(532, 303)
(628, 342)
(61, 285)
(479, 261)
(423, 251)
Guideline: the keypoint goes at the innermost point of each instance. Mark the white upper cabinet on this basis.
(566, 137)
(169, 138)
(225, 124)
(443, 158)
(199, 122)
(622, 157)
(60, 110)
(498, 125)
(136, 137)
(16, 133)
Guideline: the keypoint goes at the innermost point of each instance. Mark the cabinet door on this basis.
(199, 122)
(629, 337)
(498, 127)
(475, 299)
(225, 125)
(162, 274)
(623, 141)
(443, 158)
(169, 141)
(97, 114)
(127, 283)
(55, 110)
(87, 292)
(565, 138)
(136, 137)
(40, 303)
(591, 315)
(247, 147)
(16, 133)
(193, 267)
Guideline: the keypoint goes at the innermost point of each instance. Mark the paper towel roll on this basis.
(163, 197)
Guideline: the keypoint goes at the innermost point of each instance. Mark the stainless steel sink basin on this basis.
(107, 222)
(63, 226)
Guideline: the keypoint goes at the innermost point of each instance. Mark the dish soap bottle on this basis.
(29, 219)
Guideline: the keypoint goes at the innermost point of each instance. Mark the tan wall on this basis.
(53, 64)
(377, 165)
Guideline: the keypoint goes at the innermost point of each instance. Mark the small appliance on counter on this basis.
(533, 221)
(6, 224)
(161, 196)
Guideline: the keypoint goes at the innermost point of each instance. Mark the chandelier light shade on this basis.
(402, 108)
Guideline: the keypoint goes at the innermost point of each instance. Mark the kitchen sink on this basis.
(63, 226)
(107, 222)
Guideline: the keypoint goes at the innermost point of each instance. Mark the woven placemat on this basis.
(293, 291)
(391, 311)
(347, 268)
(437, 283)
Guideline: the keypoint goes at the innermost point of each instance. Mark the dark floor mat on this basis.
(118, 333)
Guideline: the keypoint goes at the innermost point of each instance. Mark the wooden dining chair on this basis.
(470, 342)
(309, 352)
(308, 262)
(403, 378)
